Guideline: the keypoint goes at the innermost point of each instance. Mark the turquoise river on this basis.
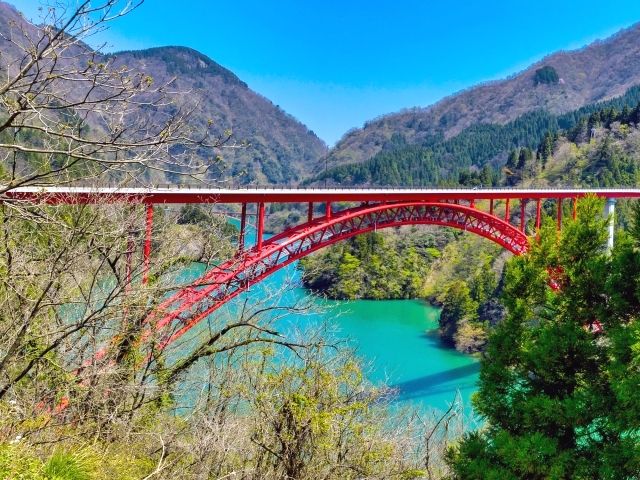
(396, 340)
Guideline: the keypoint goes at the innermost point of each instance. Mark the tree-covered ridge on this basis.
(603, 70)
(378, 265)
(479, 150)
(600, 150)
(184, 61)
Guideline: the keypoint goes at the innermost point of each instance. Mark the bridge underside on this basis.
(191, 305)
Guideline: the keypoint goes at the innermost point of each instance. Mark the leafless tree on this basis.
(71, 113)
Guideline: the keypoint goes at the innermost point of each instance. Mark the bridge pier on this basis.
(523, 206)
(310, 212)
(559, 217)
(506, 211)
(538, 210)
(131, 246)
(328, 210)
(243, 226)
(146, 253)
(610, 211)
(260, 225)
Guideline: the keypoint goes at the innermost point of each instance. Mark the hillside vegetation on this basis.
(481, 149)
(600, 71)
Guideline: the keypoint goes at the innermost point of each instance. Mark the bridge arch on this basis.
(189, 306)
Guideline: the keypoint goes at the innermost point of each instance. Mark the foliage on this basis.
(458, 308)
(546, 75)
(66, 466)
(557, 393)
(463, 280)
(193, 214)
(318, 418)
(389, 265)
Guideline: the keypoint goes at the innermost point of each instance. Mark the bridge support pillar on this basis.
(310, 212)
(260, 225)
(610, 211)
(506, 210)
(131, 246)
(523, 207)
(243, 226)
(491, 207)
(575, 207)
(146, 252)
(538, 210)
(559, 202)
(328, 210)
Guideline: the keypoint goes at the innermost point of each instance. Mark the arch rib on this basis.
(187, 307)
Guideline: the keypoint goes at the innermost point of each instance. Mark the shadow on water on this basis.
(437, 383)
(432, 336)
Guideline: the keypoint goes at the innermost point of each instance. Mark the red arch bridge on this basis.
(499, 215)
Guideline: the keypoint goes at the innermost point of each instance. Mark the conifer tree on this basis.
(558, 384)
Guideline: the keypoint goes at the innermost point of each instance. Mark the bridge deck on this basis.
(284, 195)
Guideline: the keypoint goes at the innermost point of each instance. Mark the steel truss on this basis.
(191, 305)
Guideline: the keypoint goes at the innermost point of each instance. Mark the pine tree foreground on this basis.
(559, 382)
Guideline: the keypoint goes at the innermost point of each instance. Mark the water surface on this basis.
(396, 340)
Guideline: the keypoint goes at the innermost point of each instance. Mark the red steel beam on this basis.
(243, 226)
(62, 195)
(559, 214)
(506, 210)
(310, 212)
(260, 233)
(538, 210)
(131, 246)
(523, 206)
(147, 243)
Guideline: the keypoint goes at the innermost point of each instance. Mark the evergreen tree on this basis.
(558, 385)
(512, 161)
(545, 150)
(525, 157)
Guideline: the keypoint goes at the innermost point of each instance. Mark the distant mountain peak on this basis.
(184, 61)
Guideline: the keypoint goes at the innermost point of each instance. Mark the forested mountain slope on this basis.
(279, 149)
(480, 148)
(560, 83)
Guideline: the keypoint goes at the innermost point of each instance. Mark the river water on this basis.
(396, 340)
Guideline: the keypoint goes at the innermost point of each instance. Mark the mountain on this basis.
(559, 83)
(280, 149)
(473, 157)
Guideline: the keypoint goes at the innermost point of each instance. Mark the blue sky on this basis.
(335, 64)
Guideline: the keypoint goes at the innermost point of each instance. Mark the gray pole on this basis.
(611, 212)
